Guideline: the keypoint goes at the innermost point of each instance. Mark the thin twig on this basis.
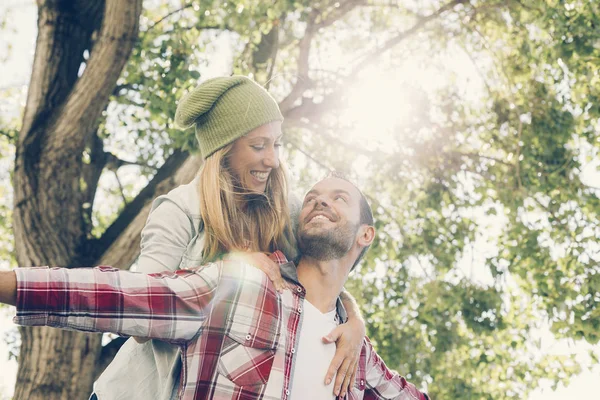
(309, 156)
(340, 12)
(168, 15)
(517, 160)
(303, 82)
(499, 161)
(371, 57)
(222, 27)
(121, 188)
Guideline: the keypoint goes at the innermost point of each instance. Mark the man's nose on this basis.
(321, 201)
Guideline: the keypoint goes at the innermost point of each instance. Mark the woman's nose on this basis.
(271, 159)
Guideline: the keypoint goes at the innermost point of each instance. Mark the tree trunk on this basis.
(62, 111)
(56, 364)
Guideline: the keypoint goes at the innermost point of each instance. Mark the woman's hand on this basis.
(264, 263)
(348, 339)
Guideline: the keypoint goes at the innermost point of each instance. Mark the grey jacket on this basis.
(172, 239)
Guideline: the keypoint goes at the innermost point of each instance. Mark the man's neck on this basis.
(323, 281)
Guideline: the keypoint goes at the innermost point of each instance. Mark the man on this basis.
(239, 337)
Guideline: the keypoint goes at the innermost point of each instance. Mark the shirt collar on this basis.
(289, 272)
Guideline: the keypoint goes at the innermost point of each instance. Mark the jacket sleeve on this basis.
(168, 306)
(165, 237)
(383, 383)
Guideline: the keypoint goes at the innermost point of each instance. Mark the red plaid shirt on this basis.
(236, 333)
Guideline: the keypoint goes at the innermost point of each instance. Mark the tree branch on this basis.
(113, 162)
(314, 128)
(339, 12)
(310, 108)
(117, 90)
(310, 157)
(517, 158)
(114, 43)
(119, 245)
(63, 110)
(168, 15)
(8, 136)
(303, 82)
(90, 173)
(401, 36)
(222, 27)
(121, 189)
(477, 155)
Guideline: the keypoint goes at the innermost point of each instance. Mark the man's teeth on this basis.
(319, 217)
(262, 176)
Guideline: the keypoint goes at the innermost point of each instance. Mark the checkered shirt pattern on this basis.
(236, 333)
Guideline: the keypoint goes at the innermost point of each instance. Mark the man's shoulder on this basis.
(243, 270)
(226, 268)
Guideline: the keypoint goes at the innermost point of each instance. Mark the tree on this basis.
(108, 73)
(60, 121)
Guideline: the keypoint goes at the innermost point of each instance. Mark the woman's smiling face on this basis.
(255, 155)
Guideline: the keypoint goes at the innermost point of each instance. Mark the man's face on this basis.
(329, 220)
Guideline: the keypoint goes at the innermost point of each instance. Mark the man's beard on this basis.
(328, 245)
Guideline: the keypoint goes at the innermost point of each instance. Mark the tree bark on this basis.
(62, 111)
(56, 364)
(120, 244)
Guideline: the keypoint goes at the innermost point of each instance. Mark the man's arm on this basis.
(382, 383)
(168, 306)
(8, 287)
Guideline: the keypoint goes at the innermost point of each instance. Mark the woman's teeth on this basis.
(261, 176)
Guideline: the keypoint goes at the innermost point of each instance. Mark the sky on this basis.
(15, 75)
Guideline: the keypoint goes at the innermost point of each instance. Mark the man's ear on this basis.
(366, 235)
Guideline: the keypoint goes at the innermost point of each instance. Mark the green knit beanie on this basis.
(224, 109)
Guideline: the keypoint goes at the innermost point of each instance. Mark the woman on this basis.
(238, 202)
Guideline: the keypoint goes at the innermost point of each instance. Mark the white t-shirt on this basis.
(312, 355)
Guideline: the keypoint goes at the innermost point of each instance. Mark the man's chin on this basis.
(312, 239)
(316, 229)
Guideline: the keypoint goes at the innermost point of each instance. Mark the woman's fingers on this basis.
(334, 366)
(269, 267)
(350, 378)
(345, 362)
(343, 374)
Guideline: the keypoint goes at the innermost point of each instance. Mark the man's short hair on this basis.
(366, 214)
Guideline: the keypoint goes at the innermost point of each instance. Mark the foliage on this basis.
(487, 223)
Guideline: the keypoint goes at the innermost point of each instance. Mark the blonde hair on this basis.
(234, 219)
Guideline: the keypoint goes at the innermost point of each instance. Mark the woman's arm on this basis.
(165, 238)
(348, 338)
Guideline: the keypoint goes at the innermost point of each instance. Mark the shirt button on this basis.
(248, 337)
(299, 289)
(362, 382)
(293, 350)
(287, 392)
(299, 309)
